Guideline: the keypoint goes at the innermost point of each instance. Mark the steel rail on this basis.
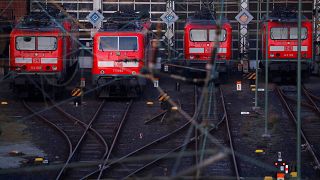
(312, 106)
(51, 124)
(161, 139)
(95, 132)
(119, 128)
(193, 139)
(305, 104)
(308, 95)
(230, 137)
(292, 116)
(81, 139)
(314, 96)
(196, 132)
(161, 114)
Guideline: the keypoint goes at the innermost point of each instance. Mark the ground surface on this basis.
(27, 135)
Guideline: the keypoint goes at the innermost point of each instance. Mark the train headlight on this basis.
(271, 55)
(47, 68)
(102, 72)
(133, 73)
(191, 57)
(222, 56)
(304, 55)
(54, 68)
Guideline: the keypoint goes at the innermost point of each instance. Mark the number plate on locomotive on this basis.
(35, 67)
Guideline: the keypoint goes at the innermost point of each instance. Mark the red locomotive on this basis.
(282, 44)
(200, 36)
(43, 50)
(120, 50)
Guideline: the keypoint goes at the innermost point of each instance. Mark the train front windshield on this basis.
(118, 43)
(203, 35)
(41, 43)
(284, 33)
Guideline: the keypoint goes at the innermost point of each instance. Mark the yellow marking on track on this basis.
(149, 103)
(174, 108)
(259, 151)
(247, 75)
(294, 174)
(268, 178)
(39, 159)
(4, 103)
(252, 76)
(76, 92)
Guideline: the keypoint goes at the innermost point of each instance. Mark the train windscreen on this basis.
(26, 43)
(198, 35)
(201, 35)
(213, 35)
(284, 33)
(41, 43)
(47, 43)
(120, 43)
(294, 33)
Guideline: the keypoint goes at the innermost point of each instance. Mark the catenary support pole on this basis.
(266, 89)
(299, 94)
(257, 57)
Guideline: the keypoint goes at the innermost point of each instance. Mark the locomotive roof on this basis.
(206, 16)
(283, 15)
(207, 21)
(46, 17)
(126, 21)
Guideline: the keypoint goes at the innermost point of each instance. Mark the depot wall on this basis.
(14, 9)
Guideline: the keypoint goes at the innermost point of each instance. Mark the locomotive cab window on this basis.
(108, 43)
(25, 43)
(120, 43)
(204, 35)
(47, 43)
(213, 34)
(128, 43)
(198, 35)
(294, 33)
(279, 33)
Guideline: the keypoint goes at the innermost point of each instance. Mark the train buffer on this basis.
(251, 77)
(76, 93)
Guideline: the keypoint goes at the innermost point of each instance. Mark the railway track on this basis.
(118, 172)
(223, 141)
(87, 142)
(309, 129)
(161, 149)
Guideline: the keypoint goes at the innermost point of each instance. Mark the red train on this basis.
(200, 36)
(42, 51)
(282, 41)
(120, 53)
